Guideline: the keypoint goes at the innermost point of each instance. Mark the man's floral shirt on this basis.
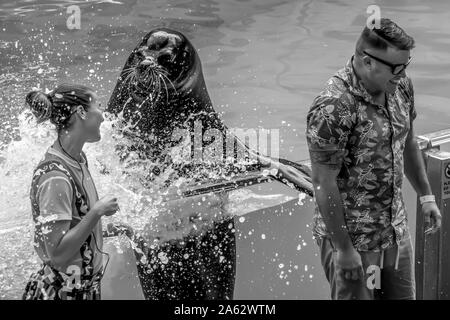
(347, 130)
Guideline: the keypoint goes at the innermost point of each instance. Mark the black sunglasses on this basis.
(395, 68)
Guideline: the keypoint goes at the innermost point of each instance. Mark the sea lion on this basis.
(161, 88)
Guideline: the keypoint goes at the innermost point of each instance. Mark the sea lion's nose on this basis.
(147, 62)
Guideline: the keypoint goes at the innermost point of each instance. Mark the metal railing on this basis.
(434, 139)
(432, 251)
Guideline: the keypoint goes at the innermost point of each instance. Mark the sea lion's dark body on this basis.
(199, 267)
(203, 268)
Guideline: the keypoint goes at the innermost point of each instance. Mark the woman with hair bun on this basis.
(65, 206)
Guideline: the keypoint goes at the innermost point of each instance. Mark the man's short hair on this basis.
(389, 34)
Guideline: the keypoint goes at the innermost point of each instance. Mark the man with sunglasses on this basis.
(361, 140)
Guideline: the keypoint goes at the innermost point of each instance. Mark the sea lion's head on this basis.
(161, 87)
(164, 61)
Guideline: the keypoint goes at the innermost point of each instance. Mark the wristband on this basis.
(427, 198)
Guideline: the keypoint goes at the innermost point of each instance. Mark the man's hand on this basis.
(348, 262)
(432, 217)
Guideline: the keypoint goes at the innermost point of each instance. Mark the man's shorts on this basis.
(388, 275)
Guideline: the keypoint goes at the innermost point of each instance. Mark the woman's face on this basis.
(93, 120)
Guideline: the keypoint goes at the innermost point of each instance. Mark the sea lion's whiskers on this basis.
(171, 83)
(152, 75)
(128, 70)
(164, 74)
(158, 69)
(164, 71)
(129, 77)
(126, 73)
(159, 74)
(149, 76)
(167, 91)
(154, 85)
(157, 87)
(150, 79)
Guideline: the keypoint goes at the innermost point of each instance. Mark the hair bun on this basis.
(40, 104)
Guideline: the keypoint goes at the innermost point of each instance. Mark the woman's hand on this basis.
(106, 206)
(114, 229)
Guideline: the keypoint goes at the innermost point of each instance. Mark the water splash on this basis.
(115, 171)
